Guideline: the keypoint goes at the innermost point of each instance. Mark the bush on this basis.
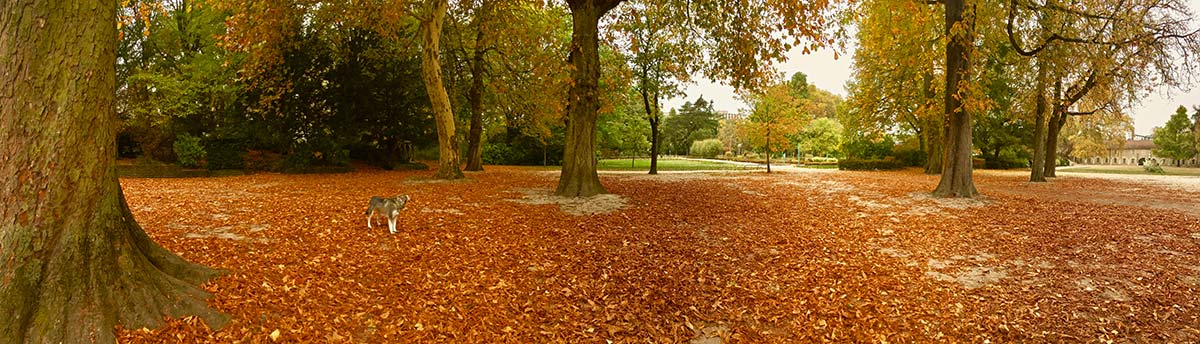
(224, 154)
(888, 163)
(863, 148)
(259, 160)
(816, 160)
(709, 148)
(909, 156)
(188, 151)
(1153, 168)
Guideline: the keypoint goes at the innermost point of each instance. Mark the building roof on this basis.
(1139, 144)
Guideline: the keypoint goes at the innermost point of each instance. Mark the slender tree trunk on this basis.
(768, 149)
(956, 166)
(652, 114)
(1056, 123)
(935, 140)
(654, 145)
(1036, 171)
(932, 129)
(73, 261)
(431, 70)
(579, 178)
(475, 95)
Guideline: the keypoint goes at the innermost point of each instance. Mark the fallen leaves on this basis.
(737, 256)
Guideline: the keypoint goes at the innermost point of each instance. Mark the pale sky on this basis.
(831, 75)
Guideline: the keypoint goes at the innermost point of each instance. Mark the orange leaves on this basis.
(792, 257)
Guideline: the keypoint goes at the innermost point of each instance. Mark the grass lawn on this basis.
(665, 165)
(1170, 171)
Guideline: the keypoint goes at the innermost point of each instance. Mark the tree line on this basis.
(1037, 82)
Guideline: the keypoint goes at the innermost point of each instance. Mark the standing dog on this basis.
(390, 207)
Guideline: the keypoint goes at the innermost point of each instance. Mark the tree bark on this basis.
(431, 70)
(475, 97)
(475, 94)
(73, 261)
(933, 129)
(768, 149)
(653, 114)
(956, 165)
(1056, 123)
(579, 178)
(1036, 171)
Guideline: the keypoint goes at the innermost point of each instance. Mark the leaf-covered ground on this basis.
(739, 256)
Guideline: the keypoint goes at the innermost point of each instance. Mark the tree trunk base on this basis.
(69, 293)
(581, 186)
(449, 173)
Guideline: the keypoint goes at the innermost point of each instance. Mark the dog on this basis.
(389, 207)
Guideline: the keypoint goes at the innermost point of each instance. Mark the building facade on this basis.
(1136, 152)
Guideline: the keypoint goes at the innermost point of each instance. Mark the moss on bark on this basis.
(73, 261)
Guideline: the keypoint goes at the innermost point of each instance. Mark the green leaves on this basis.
(1175, 140)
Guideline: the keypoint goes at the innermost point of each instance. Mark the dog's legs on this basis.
(369, 217)
(392, 225)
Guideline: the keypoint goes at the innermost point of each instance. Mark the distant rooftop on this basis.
(1139, 144)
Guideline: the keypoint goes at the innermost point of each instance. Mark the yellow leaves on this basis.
(274, 335)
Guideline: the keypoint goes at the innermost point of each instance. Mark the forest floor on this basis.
(740, 256)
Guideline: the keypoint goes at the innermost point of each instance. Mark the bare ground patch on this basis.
(578, 206)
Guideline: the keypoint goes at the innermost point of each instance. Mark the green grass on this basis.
(1170, 171)
(665, 165)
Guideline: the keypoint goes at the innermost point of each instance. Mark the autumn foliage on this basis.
(744, 256)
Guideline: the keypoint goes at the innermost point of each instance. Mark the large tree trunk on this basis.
(579, 178)
(73, 262)
(1036, 171)
(956, 165)
(431, 71)
(475, 97)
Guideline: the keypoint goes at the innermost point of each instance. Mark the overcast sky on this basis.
(831, 75)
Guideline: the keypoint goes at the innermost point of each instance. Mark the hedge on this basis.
(888, 163)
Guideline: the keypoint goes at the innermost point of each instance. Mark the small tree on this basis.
(1175, 140)
(776, 115)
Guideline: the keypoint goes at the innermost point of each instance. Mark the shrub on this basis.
(188, 151)
(709, 148)
(909, 156)
(816, 160)
(1153, 168)
(260, 160)
(888, 163)
(863, 148)
(224, 154)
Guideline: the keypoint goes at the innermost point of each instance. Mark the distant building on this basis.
(731, 116)
(1137, 151)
